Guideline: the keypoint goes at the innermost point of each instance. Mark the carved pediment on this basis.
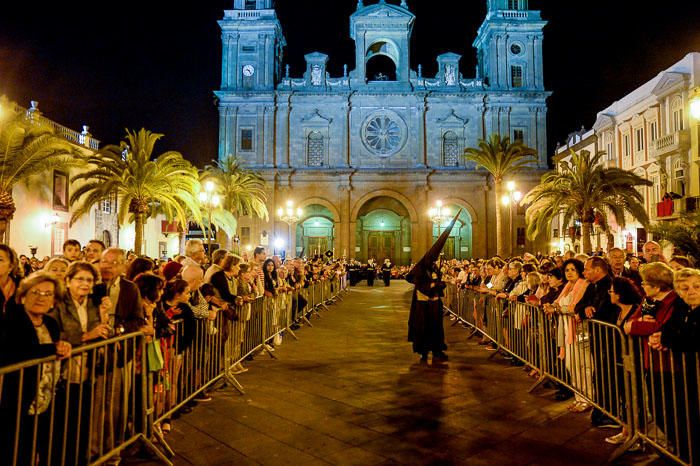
(384, 10)
(453, 119)
(315, 118)
(669, 82)
(603, 121)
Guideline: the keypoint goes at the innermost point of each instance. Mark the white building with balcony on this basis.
(650, 132)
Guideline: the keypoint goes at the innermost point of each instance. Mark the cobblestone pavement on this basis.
(350, 392)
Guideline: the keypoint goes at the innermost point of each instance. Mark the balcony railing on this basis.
(82, 139)
(669, 144)
(672, 208)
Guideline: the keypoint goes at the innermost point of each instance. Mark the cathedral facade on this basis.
(367, 154)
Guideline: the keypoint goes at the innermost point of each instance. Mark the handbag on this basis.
(154, 356)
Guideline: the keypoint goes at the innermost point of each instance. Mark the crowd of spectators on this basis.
(651, 298)
(54, 306)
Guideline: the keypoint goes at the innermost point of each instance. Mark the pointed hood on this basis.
(434, 252)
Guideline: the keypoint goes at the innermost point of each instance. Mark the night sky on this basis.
(155, 64)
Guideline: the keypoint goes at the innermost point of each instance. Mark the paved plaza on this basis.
(350, 392)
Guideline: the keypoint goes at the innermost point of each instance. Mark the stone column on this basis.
(537, 61)
(343, 230)
(281, 132)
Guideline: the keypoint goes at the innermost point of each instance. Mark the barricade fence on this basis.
(89, 408)
(653, 394)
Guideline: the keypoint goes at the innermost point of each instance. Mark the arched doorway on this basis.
(383, 230)
(459, 244)
(315, 234)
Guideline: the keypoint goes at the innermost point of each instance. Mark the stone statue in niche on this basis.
(450, 75)
(316, 75)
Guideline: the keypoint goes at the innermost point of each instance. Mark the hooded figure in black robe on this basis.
(425, 326)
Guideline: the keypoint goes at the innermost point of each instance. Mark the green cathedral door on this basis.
(380, 245)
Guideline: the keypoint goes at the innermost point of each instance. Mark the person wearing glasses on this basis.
(28, 332)
(81, 320)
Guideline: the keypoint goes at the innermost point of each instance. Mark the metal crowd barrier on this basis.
(86, 409)
(94, 405)
(653, 394)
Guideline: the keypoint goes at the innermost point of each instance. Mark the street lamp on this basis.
(513, 197)
(438, 214)
(290, 216)
(210, 201)
(695, 104)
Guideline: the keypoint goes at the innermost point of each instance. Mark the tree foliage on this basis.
(144, 185)
(586, 191)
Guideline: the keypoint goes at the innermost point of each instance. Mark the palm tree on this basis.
(242, 191)
(144, 187)
(502, 159)
(29, 148)
(582, 189)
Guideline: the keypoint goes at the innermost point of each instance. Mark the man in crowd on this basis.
(94, 250)
(125, 316)
(259, 257)
(216, 259)
(194, 253)
(616, 258)
(652, 252)
(595, 304)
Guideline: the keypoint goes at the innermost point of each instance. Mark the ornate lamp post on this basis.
(210, 201)
(290, 216)
(438, 214)
(513, 197)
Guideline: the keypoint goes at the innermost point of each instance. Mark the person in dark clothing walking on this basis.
(386, 272)
(425, 326)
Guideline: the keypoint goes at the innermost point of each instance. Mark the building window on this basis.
(611, 153)
(519, 135)
(516, 4)
(251, 4)
(106, 206)
(450, 149)
(654, 197)
(247, 139)
(639, 137)
(516, 76)
(678, 119)
(678, 178)
(315, 149)
(248, 49)
(653, 131)
(677, 112)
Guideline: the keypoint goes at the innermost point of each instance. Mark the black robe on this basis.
(425, 326)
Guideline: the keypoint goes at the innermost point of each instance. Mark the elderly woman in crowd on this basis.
(10, 275)
(28, 332)
(81, 320)
(660, 304)
(681, 336)
(57, 266)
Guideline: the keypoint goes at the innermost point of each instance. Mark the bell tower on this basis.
(509, 46)
(252, 46)
(251, 67)
(382, 35)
